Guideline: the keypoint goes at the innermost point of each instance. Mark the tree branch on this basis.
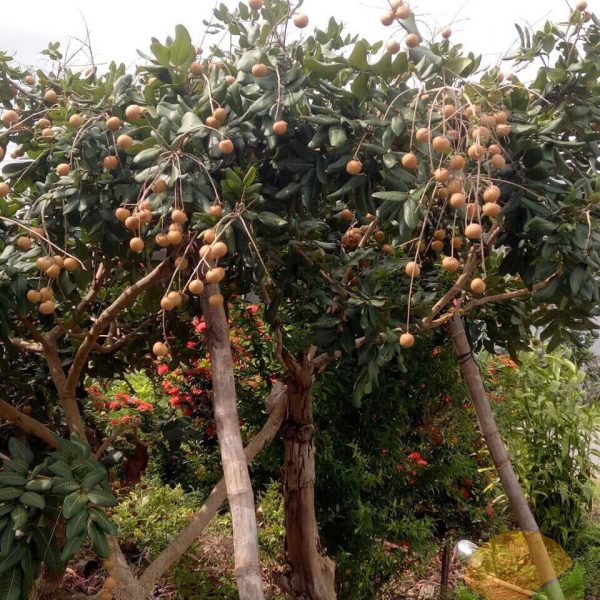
(126, 299)
(178, 547)
(28, 424)
(27, 345)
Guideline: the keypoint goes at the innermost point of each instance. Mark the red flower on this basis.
(416, 456)
(145, 407)
(191, 345)
(162, 369)
(114, 405)
(252, 309)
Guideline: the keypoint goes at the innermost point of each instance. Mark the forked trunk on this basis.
(237, 479)
(512, 488)
(313, 573)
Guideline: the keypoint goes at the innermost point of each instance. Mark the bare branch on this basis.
(28, 424)
(27, 345)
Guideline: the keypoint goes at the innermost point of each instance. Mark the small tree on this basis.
(376, 194)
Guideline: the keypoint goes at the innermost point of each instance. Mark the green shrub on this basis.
(152, 514)
(271, 522)
(548, 429)
(464, 593)
(194, 582)
(590, 562)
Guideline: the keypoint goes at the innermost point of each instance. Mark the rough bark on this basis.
(510, 483)
(27, 424)
(237, 478)
(313, 573)
(47, 585)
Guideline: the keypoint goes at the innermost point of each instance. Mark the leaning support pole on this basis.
(235, 469)
(512, 488)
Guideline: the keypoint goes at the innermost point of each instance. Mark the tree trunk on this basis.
(235, 469)
(47, 585)
(313, 573)
(512, 488)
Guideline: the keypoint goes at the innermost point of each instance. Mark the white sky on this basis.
(118, 28)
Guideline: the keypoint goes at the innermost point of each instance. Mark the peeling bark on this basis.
(510, 483)
(313, 573)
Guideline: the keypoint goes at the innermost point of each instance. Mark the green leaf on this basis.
(95, 477)
(10, 584)
(14, 557)
(33, 499)
(99, 540)
(161, 53)
(47, 549)
(18, 450)
(10, 479)
(39, 485)
(327, 70)
(393, 196)
(337, 136)
(358, 57)
(182, 51)
(77, 524)
(579, 276)
(63, 487)
(102, 498)
(270, 219)
(72, 546)
(19, 517)
(73, 504)
(103, 521)
(6, 541)
(10, 493)
(61, 469)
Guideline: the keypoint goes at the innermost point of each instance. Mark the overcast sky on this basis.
(118, 28)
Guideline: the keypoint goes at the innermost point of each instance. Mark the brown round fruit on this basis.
(71, 264)
(124, 142)
(476, 152)
(230, 79)
(255, 4)
(212, 122)
(59, 260)
(581, 5)
(175, 297)
(441, 144)
(474, 231)
(24, 242)
(498, 161)
(196, 68)
(226, 147)
(50, 97)
(46, 293)
(446, 32)
(122, 214)
(182, 263)
(209, 236)
(422, 135)
(410, 161)
(215, 275)
(455, 186)
(220, 114)
(159, 187)
(162, 240)
(503, 130)
(47, 307)
(437, 246)
(346, 215)
(48, 133)
(450, 264)
(439, 234)
(179, 217)
(387, 19)
(196, 287)
(218, 250)
(175, 237)
(34, 296)
(114, 123)
(136, 244)
(494, 149)
(300, 21)
(132, 223)
(393, 47)
(457, 200)
(216, 211)
(52, 271)
(42, 263)
(280, 128)
(260, 70)
(10, 117)
(43, 123)
(412, 269)
(110, 163)
(387, 249)
(145, 216)
(492, 194)
(412, 40)
(478, 285)
(29, 79)
(4, 189)
(491, 209)
(441, 175)
(354, 167)
(167, 303)
(403, 12)
(133, 112)
(76, 120)
(407, 340)
(160, 349)
(457, 242)
(448, 110)
(63, 169)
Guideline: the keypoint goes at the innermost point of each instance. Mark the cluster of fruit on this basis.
(110, 583)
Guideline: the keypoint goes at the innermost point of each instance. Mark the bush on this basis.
(400, 472)
(152, 514)
(549, 430)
